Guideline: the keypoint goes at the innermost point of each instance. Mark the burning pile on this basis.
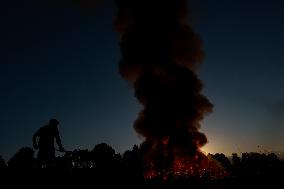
(159, 55)
(198, 167)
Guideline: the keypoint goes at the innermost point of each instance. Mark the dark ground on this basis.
(103, 168)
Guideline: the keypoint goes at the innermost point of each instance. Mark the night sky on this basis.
(62, 62)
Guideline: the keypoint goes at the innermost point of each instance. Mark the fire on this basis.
(160, 54)
(198, 167)
(166, 140)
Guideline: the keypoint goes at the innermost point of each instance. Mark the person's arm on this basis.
(35, 145)
(58, 140)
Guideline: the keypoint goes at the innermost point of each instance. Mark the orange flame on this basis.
(197, 167)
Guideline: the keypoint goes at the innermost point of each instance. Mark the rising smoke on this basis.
(160, 53)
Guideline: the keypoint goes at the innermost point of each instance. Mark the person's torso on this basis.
(46, 137)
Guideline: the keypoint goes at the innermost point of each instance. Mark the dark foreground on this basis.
(103, 168)
(83, 178)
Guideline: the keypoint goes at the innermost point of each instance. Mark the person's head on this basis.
(53, 122)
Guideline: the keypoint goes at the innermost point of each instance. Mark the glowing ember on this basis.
(166, 140)
(198, 167)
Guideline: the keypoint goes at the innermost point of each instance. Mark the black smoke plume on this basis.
(159, 55)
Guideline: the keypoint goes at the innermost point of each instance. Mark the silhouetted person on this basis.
(43, 140)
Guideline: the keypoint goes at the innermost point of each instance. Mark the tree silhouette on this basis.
(134, 164)
(225, 162)
(103, 152)
(2, 163)
(23, 159)
(103, 157)
(236, 160)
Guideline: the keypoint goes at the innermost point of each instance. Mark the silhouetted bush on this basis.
(23, 159)
(2, 163)
(225, 162)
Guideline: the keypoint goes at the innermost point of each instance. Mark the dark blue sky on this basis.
(59, 62)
